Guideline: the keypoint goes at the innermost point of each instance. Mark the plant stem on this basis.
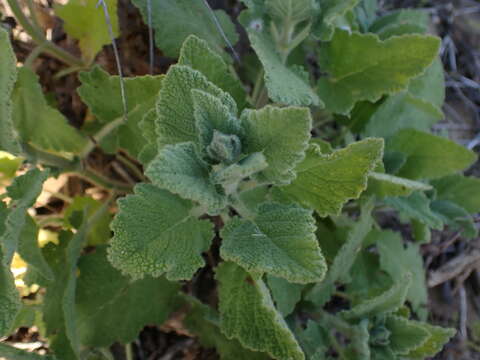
(101, 181)
(37, 35)
(100, 135)
(129, 351)
(131, 166)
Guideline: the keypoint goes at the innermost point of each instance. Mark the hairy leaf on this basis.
(197, 54)
(147, 126)
(429, 156)
(285, 84)
(175, 107)
(389, 185)
(285, 294)
(205, 323)
(463, 191)
(9, 139)
(154, 233)
(282, 135)
(294, 10)
(405, 335)
(400, 22)
(85, 21)
(362, 67)
(111, 308)
(279, 241)
(39, 124)
(23, 192)
(247, 314)
(386, 303)
(397, 260)
(438, 337)
(326, 182)
(195, 18)
(332, 13)
(179, 169)
(101, 92)
(455, 216)
(345, 258)
(416, 206)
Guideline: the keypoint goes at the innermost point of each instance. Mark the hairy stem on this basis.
(37, 35)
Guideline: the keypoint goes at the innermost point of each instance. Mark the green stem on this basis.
(129, 351)
(241, 208)
(100, 135)
(132, 167)
(37, 35)
(101, 181)
(33, 55)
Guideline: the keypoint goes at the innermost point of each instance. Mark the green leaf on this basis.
(285, 294)
(282, 135)
(10, 352)
(295, 11)
(8, 166)
(405, 335)
(419, 107)
(389, 185)
(210, 115)
(279, 241)
(456, 217)
(397, 260)
(147, 127)
(9, 139)
(154, 233)
(85, 21)
(429, 156)
(314, 341)
(438, 337)
(39, 124)
(197, 54)
(362, 67)
(416, 207)
(230, 176)
(179, 169)
(98, 233)
(204, 322)
(9, 299)
(110, 308)
(195, 18)
(285, 84)
(247, 314)
(345, 258)
(331, 16)
(175, 107)
(23, 192)
(101, 92)
(400, 22)
(326, 182)
(462, 190)
(30, 252)
(386, 303)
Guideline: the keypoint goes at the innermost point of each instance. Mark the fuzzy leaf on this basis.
(416, 206)
(326, 182)
(147, 126)
(175, 107)
(210, 115)
(39, 124)
(205, 323)
(463, 191)
(154, 233)
(23, 192)
(179, 169)
(419, 107)
(101, 92)
(386, 303)
(345, 258)
(405, 335)
(126, 307)
(9, 139)
(197, 54)
(285, 294)
(438, 337)
(284, 84)
(294, 10)
(331, 16)
(85, 21)
(400, 22)
(362, 67)
(455, 216)
(282, 135)
(195, 18)
(30, 252)
(279, 241)
(429, 156)
(247, 314)
(246, 167)
(389, 185)
(397, 260)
